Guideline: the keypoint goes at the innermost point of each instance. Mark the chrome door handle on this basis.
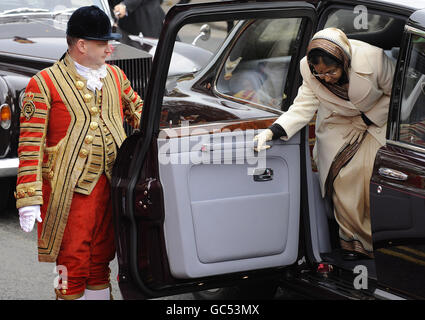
(267, 175)
(392, 174)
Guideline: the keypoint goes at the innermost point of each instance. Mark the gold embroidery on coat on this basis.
(28, 109)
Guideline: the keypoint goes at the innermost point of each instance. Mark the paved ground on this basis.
(22, 277)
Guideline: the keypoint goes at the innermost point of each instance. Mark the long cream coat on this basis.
(370, 81)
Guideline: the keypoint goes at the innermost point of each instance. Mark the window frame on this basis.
(295, 57)
(398, 89)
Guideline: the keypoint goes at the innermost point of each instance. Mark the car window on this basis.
(244, 79)
(357, 20)
(257, 66)
(376, 28)
(207, 36)
(412, 113)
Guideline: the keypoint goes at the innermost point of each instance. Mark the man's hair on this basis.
(71, 41)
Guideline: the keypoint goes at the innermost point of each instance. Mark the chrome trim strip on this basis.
(381, 294)
(414, 30)
(24, 56)
(106, 9)
(406, 146)
(9, 167)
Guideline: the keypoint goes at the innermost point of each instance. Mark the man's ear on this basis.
(81, 46)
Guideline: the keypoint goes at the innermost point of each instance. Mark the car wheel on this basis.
(258, 292)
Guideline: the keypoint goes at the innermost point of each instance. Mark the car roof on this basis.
(412, 4)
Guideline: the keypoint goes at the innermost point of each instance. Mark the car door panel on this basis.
(174, 233)
(398, 206)
(218, 219)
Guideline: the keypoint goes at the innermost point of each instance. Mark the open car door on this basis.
(194, 206)
(397, 190)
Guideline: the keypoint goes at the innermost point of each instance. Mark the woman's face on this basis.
(331, 74)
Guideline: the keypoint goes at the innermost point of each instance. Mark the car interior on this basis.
(258, 65)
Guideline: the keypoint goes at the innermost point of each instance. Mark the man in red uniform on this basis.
(71, 129)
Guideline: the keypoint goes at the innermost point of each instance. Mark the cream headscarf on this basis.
(334, 42)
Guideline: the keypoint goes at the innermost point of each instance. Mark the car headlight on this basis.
(5, 116)
(21, 98)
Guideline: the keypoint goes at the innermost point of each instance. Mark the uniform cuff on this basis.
(29, 194)
(277, 130)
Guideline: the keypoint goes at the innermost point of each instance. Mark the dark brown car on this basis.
(196, 209)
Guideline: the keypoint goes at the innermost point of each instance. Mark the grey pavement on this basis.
(22, 277)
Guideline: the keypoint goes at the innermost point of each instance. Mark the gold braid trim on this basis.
(59, 295)
(68, 163)
(30, 193)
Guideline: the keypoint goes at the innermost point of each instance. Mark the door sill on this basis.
(335, 258)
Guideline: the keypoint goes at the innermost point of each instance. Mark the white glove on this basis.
(356, 132)
(27, 217)
(262, 138)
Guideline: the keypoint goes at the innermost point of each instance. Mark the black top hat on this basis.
(91, 23)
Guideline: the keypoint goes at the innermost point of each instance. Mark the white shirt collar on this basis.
(92, 76)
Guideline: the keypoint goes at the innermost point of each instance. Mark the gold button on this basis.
(51, 174)
(21, 194)
(107, 149)
(63, 291)
(94, 125)
(79, 84)
(87, 97)
(105, 130)
(107, 140)
(99, 100)
(83, 153)
(88, 139)
(94, 110)
(31, 192)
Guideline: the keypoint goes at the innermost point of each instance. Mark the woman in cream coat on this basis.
(348, 83)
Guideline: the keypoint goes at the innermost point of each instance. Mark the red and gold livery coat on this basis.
(69, 137)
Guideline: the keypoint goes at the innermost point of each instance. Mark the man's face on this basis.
(95, 52)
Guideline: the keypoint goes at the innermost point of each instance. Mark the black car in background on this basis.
(196, 209)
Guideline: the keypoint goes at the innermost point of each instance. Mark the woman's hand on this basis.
(262, 138)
